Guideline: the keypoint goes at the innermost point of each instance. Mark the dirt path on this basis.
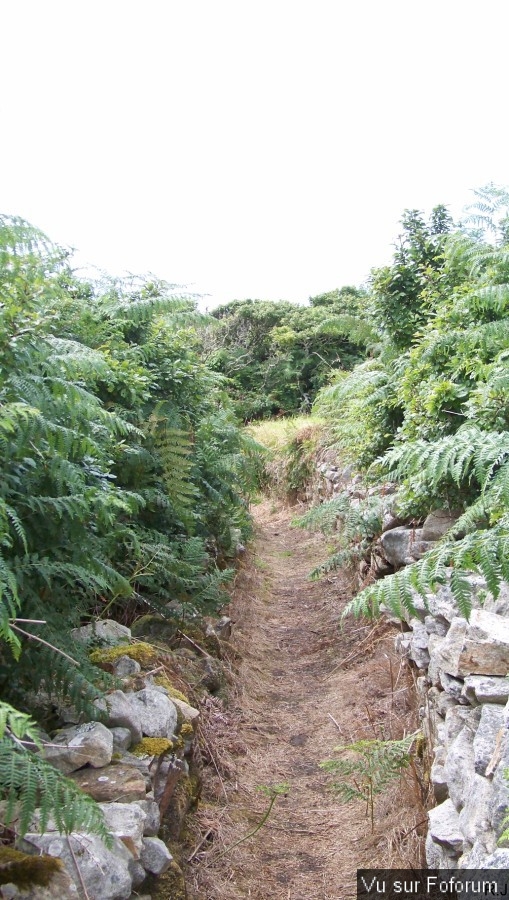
(304, 687)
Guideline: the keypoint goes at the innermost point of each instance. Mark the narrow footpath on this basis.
(304, 685)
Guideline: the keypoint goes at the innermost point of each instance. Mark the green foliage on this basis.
(123, 475)
(28, 783)
(368, 768)
(357, 526)
(277, 355)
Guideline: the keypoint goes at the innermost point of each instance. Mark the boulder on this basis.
(486, 689)
(474, 818)
(459, 766)
(438, 523)
(402, 546)
(105, 873)
(456, 718)
(120, 783)
(155, 856)
(498, 860)
(444, 827)
(419, 644)
(119, 711)
(452, 686)
(500, 805)
(499, 604)
(477, 647)
(79, 745)
(127, 822)
(491, 722)
(152, 817)
(189, 713)
(158, 715)
(124, 667)
(106, 632)
(122, 739)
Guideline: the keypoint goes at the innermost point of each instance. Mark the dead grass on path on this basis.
(303, 686)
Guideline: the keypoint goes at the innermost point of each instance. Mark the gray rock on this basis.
(158, 714)
(105, 631)
(119, 783)
(189, 713)
(155, 856)
(124, 667)
(477, 647)
(498, 860)
(500, 788)
(439, 781)
(486, 689)
(453, 686)
(492, 719)
(419, 644)
(105, 873)
(127, 822)
(79, 745)
(121, 712)
(138, 874)
(434, 668)
(439, 857)
(459, 766)
(153, 817)
(436, 625)
(438, 523)
(444, 827)
(122, 739)
(402, 545)
(500, 604)
(456, 718)
(474, 818)
(223, 628)
(483, 847)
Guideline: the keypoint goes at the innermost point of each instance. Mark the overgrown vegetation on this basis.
(124, 478)
(430, 408)
(276, 355)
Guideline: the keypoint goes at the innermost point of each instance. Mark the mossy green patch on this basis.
(152, 747)
(141, 652)
(24, 870)
(164, 681)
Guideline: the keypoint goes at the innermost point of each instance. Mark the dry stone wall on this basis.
(464, 697)
(462, 684)
(141, 763)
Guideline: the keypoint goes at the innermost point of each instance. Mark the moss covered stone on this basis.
(152, 746)
(164, 681)
(26, 871)
(141, 652)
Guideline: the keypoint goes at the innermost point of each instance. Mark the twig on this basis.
(251, 834)
(193, 644)
(80, 876)
(35, 637)
(200, 845)
(338, 726)
(209, 751)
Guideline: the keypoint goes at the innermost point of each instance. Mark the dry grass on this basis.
(303, 686)
(275, 434)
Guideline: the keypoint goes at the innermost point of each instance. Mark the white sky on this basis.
(247, 148)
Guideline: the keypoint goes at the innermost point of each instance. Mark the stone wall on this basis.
(141, 763)
(464, 697)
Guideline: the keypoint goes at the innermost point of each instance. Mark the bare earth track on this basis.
(303, 687)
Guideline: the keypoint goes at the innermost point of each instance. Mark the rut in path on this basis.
(304, 687)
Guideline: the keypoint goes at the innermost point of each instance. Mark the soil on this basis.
(304, 683)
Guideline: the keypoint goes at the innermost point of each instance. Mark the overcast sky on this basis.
(243, 147)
